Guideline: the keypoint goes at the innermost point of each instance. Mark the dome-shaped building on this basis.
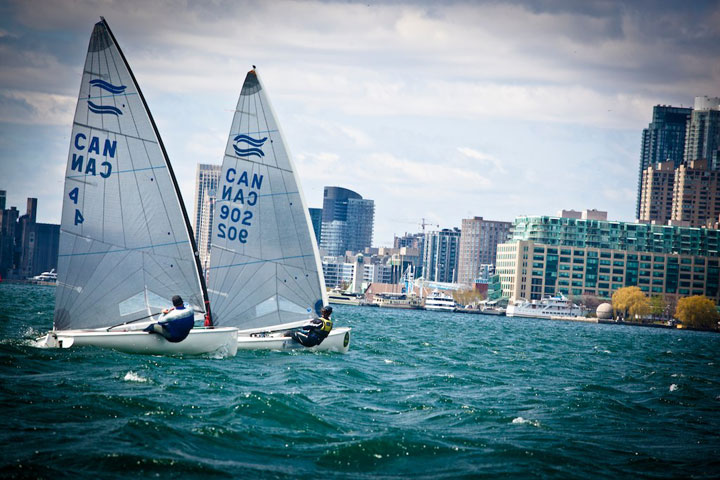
(604, 311)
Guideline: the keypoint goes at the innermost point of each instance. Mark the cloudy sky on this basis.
(440, 111)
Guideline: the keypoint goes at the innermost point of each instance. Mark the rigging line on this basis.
(248, 160)
(178, 195)
(108, 96)
(120, 250)
(134, 137)
(269, 260)
(221, 283)
(88, 293)
(131, 170)
(284, 149)
(233, 312)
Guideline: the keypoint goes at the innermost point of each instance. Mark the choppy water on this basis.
(421, 394)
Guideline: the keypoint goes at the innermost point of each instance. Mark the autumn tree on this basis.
(631, 302)
(658, 305)
(697, 312)
(467, 296)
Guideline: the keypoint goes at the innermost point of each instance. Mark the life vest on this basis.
(327, 325)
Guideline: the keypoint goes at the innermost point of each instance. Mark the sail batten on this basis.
(264, 267)
(124, 240)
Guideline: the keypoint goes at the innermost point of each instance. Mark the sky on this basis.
(435, 110)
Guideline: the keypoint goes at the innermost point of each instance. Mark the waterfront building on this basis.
(702, 141)
(205, 227)
(656, 194)
(440, 255)
(411, 240)
(591, 214)
(347, 221)
(663, 140)
(479, 239)
(550, 255)
(696, 195)
(27, 248)
(316, 219)
(207, 178)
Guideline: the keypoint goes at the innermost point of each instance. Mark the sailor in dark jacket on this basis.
(318, 329)
(174, 324)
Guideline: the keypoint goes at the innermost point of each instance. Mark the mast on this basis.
(188, 227)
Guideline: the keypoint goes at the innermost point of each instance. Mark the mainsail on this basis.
(125, 247)
(264, 264)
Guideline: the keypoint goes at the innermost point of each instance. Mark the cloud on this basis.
(484, 158)
(34, 108)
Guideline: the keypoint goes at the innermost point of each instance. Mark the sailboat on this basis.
(265, 275)
(125, 243)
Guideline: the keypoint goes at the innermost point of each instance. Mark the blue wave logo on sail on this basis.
(246, 146)
(104, 109)
(108, 87)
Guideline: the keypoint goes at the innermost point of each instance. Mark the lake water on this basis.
(420, 394)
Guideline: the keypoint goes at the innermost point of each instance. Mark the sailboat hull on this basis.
(222, 341)
(337, 341)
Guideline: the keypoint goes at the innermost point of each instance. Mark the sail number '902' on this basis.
(235, 218)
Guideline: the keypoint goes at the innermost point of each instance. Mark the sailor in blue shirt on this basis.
(174, 324)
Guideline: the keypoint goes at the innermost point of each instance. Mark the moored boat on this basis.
(555, 306)
(439, 301)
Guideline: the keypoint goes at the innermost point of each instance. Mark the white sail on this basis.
(125, 247)
(264, 265)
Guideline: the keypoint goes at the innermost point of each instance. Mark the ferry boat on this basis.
(45, 278)
(549, 307)
(439, 301)
(396, 300)
(338, 297)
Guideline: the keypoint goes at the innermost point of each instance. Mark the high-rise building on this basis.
(549, 255)
(3, 196)
(702, 140)
(27, 248)
(205, 230)
(411, 240)
(347, 221)
(663, 140)
(316, 219)
(478, 246)
(656, 193)
(207, 178)
(440, 256)
(696, 195)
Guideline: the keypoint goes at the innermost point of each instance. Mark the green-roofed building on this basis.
(550, 255)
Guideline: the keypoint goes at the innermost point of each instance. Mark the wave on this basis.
(248, 152)
(109, 87)
(104, 109)
(255, 142)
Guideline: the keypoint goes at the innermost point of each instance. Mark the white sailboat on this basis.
(125, 247)
(265, 275)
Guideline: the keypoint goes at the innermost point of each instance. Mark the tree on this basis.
(697, 312)
(631, 302)
(658, 306)
(467, 296)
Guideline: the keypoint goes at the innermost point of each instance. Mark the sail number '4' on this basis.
(235, 218)
(89, 166)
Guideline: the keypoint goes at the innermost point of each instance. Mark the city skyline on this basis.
(437, 112)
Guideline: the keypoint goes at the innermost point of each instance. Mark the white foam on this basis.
(673, 387)
(134, 377)
(521, 420)
(388, 361)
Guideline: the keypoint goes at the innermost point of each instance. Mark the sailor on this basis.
(175, 323)
(316, 331)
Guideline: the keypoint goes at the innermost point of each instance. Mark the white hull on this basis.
(337, 341)
(440, 308)
(222, 341)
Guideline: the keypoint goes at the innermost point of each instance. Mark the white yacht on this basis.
(549, 307)
(45, 278)
(396, 300)
(339, 297)
(439, 301)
